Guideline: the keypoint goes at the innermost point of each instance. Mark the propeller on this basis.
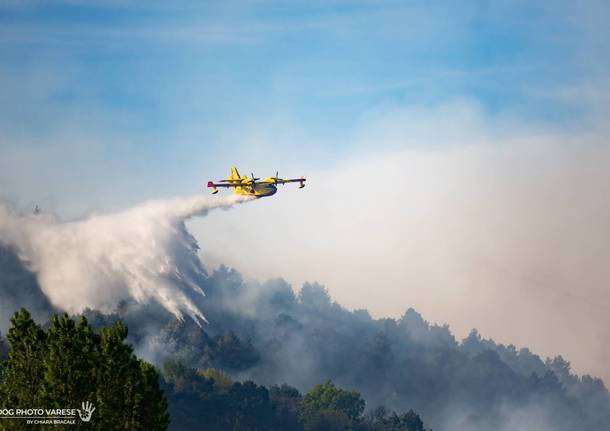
(253, 180)
(277, 178)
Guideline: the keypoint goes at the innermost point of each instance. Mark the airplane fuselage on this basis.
(258, 190)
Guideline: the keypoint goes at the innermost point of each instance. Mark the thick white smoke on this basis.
(144, 253)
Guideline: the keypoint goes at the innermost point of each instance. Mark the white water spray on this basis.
(144, 253)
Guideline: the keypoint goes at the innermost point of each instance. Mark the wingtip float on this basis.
(252, 186)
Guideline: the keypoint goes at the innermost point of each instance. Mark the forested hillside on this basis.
(267, 333)
(270, 335)
(69, 365)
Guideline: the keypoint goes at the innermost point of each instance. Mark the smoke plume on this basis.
(143, 254)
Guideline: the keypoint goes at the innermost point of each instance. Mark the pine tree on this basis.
(69, 367)
(70, 364)
(128, 394)
(117, 378)
(151, 405)
(23, 370)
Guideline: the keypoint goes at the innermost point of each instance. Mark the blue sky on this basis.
(160, 94)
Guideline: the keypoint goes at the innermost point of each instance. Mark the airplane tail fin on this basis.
(234, 174)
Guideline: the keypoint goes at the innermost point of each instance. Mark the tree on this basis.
(286, 401)
(67, 368)
(150, 404)
(412, 421)
(127, 391)
(381, 420)
(328, 420)
(250, 409)
(203, 397)
(70, 364)
(326, 398)
(222, 381)
(22, 372)
(194, 399)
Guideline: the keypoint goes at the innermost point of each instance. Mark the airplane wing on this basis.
(232, 183)
(292, 180)
(212, 184)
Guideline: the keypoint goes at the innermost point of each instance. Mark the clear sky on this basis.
(466, 143)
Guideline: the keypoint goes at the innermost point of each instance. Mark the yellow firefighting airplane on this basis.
(252, 186)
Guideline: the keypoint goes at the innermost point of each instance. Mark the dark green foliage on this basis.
(116, 374)
(328, 397)
(286, 401)
(328, 420)
(70, 364)
(264, 332)
(127, 390)
(381, 420)
(193, 399)
(196, 399)
(150, 404)
(250, 406)
(23, 371)
(398, 363)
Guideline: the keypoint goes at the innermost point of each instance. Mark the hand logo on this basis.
(86, 412)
